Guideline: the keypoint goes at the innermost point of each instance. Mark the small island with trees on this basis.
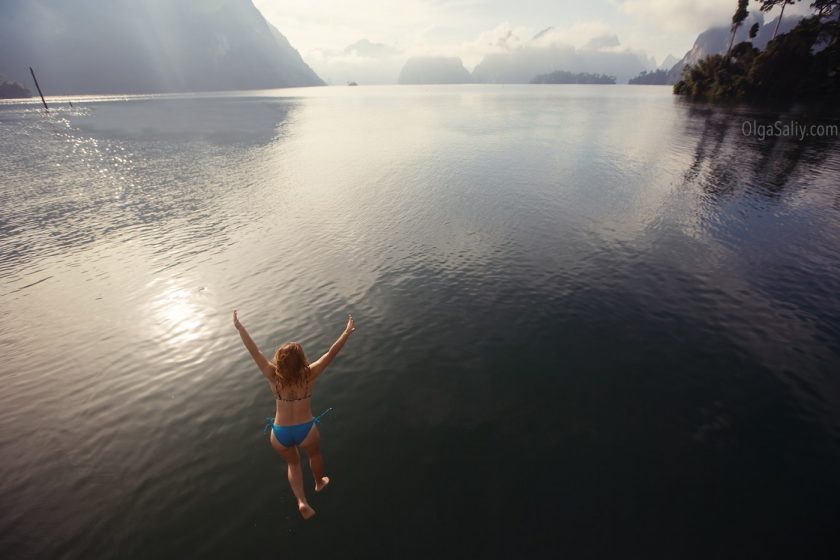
(803, 63)
(13, 90)
(655, 78)
(563, 77)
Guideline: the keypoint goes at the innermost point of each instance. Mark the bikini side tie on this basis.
(318, 418)
(270, 421)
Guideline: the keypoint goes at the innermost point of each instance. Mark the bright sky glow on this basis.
(322, 30)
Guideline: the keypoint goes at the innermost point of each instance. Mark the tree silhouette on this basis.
(789, 68)
(826, 8)
(737, 20)
(767, 5)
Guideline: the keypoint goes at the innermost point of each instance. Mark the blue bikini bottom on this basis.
(293, 435)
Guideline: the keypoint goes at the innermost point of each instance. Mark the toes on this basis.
(322, 484)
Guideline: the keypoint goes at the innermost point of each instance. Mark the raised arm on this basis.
(262, 363)
(318, 367)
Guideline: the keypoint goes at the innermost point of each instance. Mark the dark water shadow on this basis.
(754, 187)
(740, 148)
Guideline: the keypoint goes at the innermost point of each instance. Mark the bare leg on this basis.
(316, 464)
(312, 446)
(295, 475)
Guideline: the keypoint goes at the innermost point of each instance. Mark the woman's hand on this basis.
(351, 325)
(265, 367)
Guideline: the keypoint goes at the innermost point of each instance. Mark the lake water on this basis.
(592, 322)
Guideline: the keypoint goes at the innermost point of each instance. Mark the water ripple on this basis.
(622, 288)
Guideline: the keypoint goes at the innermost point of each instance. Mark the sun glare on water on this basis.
(178, 314)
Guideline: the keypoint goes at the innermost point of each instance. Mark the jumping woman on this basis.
(291, 378)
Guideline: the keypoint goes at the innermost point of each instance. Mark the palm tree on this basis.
(737, 20)
(767, 5)
(781, 15)
(826, 8)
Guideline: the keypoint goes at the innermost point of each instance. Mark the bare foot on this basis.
(322, 484)
(306, 511)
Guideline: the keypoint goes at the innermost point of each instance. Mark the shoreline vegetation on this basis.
(803, 63)
(563, 77)
(656, 78)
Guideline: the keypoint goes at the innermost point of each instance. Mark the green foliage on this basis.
(826, 8)
(768, 5)
(823, 8)
(788, 68)
(655, 78)
(785, 64)
(716, 77)
(740, 14)
(737, 20)
(563, 77)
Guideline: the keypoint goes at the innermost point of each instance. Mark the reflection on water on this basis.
(771, 194)
(737, 156)
(178, 318)
(581, 312)
(126, 167)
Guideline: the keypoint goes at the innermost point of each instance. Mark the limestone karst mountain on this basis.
(146, 46)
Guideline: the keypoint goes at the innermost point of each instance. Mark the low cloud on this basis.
(503, 54)
(363, 61)
(365, 48)
(692, 17)
(576, 35)
(603, 42)
(687, 16)
(583, 47)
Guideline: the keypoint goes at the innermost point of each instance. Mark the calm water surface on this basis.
(592, 322)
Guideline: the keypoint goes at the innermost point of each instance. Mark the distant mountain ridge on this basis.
(668, 63)
(146, 46)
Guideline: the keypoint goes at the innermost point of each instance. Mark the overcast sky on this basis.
(322, 29)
